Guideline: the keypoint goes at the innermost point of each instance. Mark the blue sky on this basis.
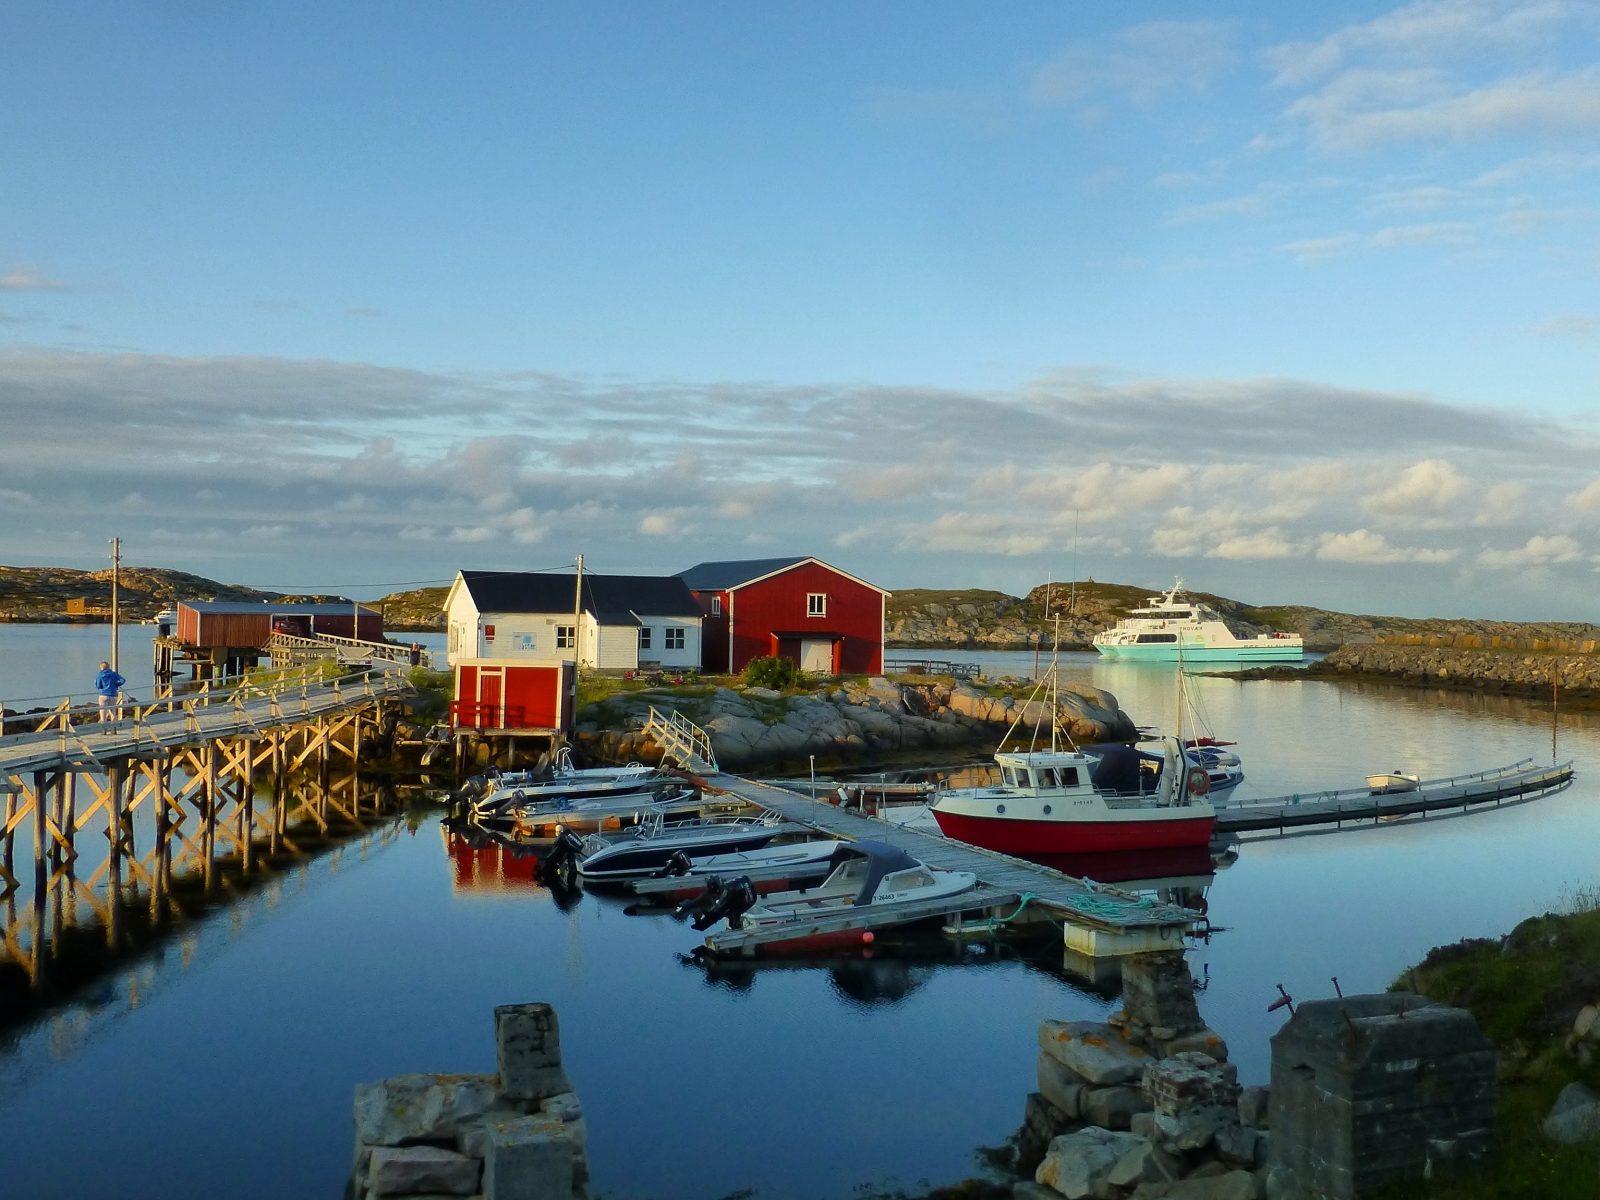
(1297, 302)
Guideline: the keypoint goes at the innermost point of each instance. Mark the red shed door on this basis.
(491, 697)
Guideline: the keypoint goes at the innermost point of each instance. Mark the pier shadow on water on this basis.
(98, 915)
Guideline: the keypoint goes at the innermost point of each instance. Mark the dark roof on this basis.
(235, 607)
(604, 595)
(720, 576)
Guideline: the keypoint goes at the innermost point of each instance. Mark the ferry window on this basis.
(1158, 637)
(716, 606)
(674, 639)
(816, 604)
(565, 638)
(644, 637)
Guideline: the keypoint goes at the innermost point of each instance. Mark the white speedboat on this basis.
(867, 876)
(488, 796)
(655, 842)
(1386, 782)
(536, 819)
(1171, 628)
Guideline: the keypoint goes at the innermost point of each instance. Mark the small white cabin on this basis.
(620, 623)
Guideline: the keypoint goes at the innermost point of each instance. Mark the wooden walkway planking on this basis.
(183, 721)
(1065, 896)
(1279, 814)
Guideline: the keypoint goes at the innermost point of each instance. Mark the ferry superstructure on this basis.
(1173, 628)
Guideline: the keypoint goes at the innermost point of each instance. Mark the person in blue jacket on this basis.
(108, 685)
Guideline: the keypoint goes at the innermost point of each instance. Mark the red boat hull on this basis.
(1026, 838)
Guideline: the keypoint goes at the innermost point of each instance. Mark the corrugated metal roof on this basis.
(720, 576)
(534, 592)
(231, 607)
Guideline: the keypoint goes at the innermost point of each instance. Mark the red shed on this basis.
(238, 625)
(827, 621)
(512, 697)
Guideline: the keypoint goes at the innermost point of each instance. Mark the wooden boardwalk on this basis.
(1303, 811)
(75, 738)
(1109, 919)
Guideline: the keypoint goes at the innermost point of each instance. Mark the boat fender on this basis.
(1199, 781)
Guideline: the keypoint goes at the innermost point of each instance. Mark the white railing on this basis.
(683, 740)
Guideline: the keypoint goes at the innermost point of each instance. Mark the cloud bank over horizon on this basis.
(301, 474)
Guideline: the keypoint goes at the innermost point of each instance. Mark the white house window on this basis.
(644, 637)
(564, 637)
(674, 639)
(716, 606)
(816, 604)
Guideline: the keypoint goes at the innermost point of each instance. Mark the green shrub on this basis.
(772, 672)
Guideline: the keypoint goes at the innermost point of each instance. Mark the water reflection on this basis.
(90, 905)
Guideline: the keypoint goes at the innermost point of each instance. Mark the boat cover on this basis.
(882, 858)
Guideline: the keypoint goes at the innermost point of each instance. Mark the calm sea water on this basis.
(224, 1063)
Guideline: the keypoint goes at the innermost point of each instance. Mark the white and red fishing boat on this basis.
(1059, 799)
(1067, 801)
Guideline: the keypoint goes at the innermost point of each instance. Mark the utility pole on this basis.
(116, 570)
(577, 619)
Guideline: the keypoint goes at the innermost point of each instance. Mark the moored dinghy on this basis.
(868, 878)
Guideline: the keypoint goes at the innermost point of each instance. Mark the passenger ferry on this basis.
(1171, 628)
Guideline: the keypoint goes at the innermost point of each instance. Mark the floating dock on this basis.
(1097, 919)
(1302, 811)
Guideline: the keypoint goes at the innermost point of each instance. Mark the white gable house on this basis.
(619, 623)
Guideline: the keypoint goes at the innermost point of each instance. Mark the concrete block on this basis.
(1253, 1107)
(528, 1158)
(1079, 1164)
(1060, 1085)
(413, 1170)
(408, 1108)
(1098, 1052)
(1112, 1107)
(527, 1040)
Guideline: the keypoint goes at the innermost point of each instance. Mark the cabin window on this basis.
(644, 637)
(716, 606)
(1008, 777)
(1158, 637)
(1022, 776)
(566, 637)
(816, 604)
(1069, 776)
(674, 639)
(1047, 777)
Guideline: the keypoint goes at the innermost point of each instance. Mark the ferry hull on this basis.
(1027, 838)
(1292, 652)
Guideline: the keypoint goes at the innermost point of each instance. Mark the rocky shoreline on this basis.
(1570, 678)
(846, 724)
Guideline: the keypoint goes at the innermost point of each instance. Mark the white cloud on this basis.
(1423, 489)
(1539, 550)
(1363, 110)
(1586, 498)
(1140, 63)
(29, 279)
(1430, 31)
(1502, 504)
(1263, 544)
(1366, 546)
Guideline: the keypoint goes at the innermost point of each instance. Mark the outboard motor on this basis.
(736, 898)
(708, 896)
(679, 864)
(562, 857)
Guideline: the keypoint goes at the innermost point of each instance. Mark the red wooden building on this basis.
(238, 624)
(513, 698)
(802, 609)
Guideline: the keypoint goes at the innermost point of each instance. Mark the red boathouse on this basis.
(823, 619)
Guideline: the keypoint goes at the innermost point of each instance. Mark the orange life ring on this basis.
(1199, 781)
